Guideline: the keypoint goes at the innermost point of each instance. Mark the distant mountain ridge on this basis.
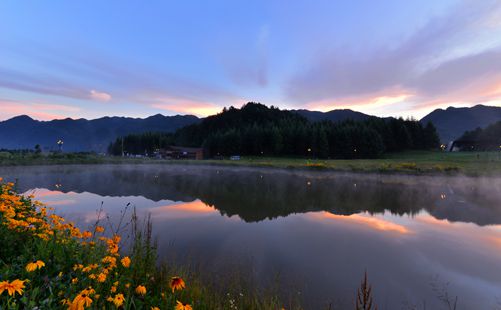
(23, 132)
(452, 122)
(334, 115)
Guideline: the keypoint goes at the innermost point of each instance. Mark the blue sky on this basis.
(129, 58)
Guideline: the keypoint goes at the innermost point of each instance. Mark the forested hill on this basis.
(486, 139)
(334, 115)
(23, 132)
(258, 130)
(452, 122)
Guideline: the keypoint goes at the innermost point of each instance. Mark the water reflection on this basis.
(258, 195)
(319, 231)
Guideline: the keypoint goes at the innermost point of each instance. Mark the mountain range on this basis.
(452, 122)
(23, 132)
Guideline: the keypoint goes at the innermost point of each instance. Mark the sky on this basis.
(94, 58)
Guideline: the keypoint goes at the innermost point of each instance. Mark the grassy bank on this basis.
(48, 263)
(422, 162)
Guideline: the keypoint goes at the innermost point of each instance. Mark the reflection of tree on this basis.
(256, 195)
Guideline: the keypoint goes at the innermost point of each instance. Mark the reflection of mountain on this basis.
(256, 195)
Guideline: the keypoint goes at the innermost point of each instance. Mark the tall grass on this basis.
(49, 263)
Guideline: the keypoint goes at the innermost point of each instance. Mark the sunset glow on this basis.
(418, 56)
(365, 220)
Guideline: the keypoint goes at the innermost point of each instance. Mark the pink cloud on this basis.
(99, 96)
(399, 101)
(186, 106)
(377, 103)
(41, 111)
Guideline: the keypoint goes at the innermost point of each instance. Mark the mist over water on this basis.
(318, 231)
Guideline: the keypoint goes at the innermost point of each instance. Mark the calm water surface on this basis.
(417, 237)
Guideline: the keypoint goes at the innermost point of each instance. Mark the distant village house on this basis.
(180, 152)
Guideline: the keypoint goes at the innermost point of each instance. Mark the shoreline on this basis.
(408, 163)
(387, 176)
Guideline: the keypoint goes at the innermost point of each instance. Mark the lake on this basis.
(421, 239)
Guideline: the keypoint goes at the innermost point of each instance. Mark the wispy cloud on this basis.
(449, 54)
(41, 111)
(96, 76)
(198, 108)
(100, 96)
(247, 65)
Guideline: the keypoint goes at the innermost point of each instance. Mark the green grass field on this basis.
(418, 162)
(407, 162)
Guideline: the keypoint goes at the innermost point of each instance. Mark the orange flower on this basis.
(13, 287)
(35, 265)
(155, 308)
(176, 283)
(112, 261)
(182, 306)
(141, 290)
(101, 277)
(118, 300)
(82, 300)
(99, 229)
(125, 261)
(86, 234)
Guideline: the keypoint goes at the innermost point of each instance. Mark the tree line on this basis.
(258, 130)
(487, 139)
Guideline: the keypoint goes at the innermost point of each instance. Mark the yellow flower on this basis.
(155, 308)
(176, 283)
(86, 234)
(89, 268)
(13, 287)
(181, 306)
(141, 290)
(116, 238)
(101, 277)
(81, 301)
(35, 265)
(74, 280)
(112, 261)
(99, 229)
(113, 289)
(125, 261)
(77, 266)
(118, 300)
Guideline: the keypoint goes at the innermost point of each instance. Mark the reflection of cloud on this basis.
(99, 96)
(365, 220)
(61, 202)
(181, 210)
(39, 192)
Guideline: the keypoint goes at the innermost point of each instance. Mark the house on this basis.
(466, 145)
(181, 152)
